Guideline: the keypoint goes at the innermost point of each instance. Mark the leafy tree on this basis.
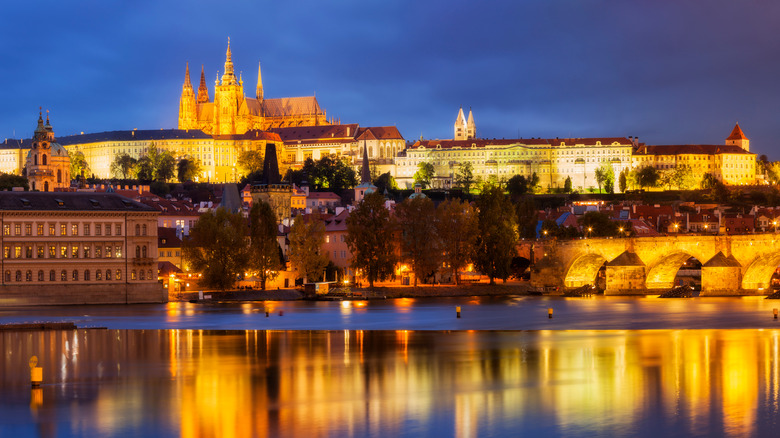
(623, 180)
(307, 235)
(250, 162)
(597, 224)
(457, 226)
(384, 182)
(708, 181)
(647, 176)
(420, 245)
(216, 247)
(263, 246)
(370, 238)
(155, 165)
(424, 175)
(78, 164)
(330, 173)
(187, 169)
(123, 166)
(773, 172)
(527, 218)
(144, 169)
(497, 234)
(8, 181)
(517, 186)
(533, 184)
(550, 229)
(720, 193)
(464, 177)
(295, 176)
(605, 176)
(567, 185)
(683, 178)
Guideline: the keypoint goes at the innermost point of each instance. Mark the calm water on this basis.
(606, 366)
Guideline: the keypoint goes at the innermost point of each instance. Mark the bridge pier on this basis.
(721, 276)
(626, 275)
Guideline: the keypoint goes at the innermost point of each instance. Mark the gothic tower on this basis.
(203, 91)
(48, 163)
(460, 126)
(471, 128)
(188, 116)
(259, 94)
(228, 98)
(738, 138)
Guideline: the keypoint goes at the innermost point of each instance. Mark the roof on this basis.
(141, 134)
(323, 195)
(736, 134)
(289, 106)
(381, 133)
(557, 142)
(167, 238)
(694, 149)
(68, 201)
(166, 268)
(317, 133)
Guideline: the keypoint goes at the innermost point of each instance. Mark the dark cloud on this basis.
(667, 71)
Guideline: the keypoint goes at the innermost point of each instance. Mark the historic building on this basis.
(732, 163)
(77, 248)
(47, 163)
(231, 112)
(465, 129)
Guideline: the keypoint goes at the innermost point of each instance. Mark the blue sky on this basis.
(670, 72)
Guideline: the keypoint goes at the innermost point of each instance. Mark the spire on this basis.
(229, 78)
(737, 134)
(471, 127)
(187, 83)
(270, 165)
(365, 171)
(259, 84)
(40, 127)
(203, 91)
(460, 126)
(461, 120)
(48, 125)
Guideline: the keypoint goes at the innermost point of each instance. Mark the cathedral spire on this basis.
(187, 82)
(203, 91)
(229, 78)
(365, 171)
(471, 127)
(259, 94)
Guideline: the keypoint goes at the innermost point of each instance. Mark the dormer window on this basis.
(60, 202)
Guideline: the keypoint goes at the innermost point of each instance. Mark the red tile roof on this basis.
(556, 142)
(737, 134)
(682, 149)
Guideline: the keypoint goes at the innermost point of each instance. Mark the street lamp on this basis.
(621, 231)
(705, 228)
(676, 227)
(545, 233)
(589, 230)
(774, 225)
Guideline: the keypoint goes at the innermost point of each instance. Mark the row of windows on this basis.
(66, 251)
(75, 275)
(63, 228)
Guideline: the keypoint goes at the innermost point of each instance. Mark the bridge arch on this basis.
(661, 275)
(759, 273)
(584, 269)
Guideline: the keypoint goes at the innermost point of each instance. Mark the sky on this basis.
(667, 71)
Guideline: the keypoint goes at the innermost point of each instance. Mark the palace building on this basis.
(231, 112)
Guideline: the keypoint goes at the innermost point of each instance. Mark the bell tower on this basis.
(188, 116)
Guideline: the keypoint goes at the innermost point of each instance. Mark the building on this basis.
(231, 112)
(77, 248)
(47, 163)
(465, 129)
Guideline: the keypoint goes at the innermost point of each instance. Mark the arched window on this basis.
(86, 275)
(149, 274)
(52, 275)
(137, 252)
(45, 186)
(143, 251)
(59, 176)
(33, 186)
(137, 230)
(132, 275)
(35, 159)
(142, 275)
(108, 274)
(18, 275)
(28, 275)
(43, 160)
(40, 275)
(75, 275)
(143, 228)
(8, 276)
(98, 275)
(118, 274)
(63, 275)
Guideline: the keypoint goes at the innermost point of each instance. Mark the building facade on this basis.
(77, 248)
(231, 112)
(47, 163)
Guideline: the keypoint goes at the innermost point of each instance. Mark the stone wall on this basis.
(74, 294)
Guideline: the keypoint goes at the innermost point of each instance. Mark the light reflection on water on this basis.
(194, 383)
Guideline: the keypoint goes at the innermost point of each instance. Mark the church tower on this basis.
(203, 91)
(48, 163)
(188, 116)
(471, 128)
(259, 93)
(228, 99)
(460, 126)
(738, 138)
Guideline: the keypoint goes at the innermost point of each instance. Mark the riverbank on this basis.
(378, 292)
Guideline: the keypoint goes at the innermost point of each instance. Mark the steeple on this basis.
(40, 127)
(365, 171)
(187, 83)
(738, 138)
(187, 105)
(228, 78)
(270, 165)
(460, 126)
(471, 128)
(203, 91)
(259, 94)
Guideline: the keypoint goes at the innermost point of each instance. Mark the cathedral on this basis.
(47, 163)
(231, 112)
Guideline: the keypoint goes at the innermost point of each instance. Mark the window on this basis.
(108, 229)
(143, 251)
(6, 252)
(108, 274)
(132, 275)
(137, 252)
(28, 275)
(40, 251)
(169, 253)
(7, 231)
(28, 229)
(108, 251)
(18, 275)
(74, 230)
(143, 229)
(28, 251)
(74, 251)
(17, 251)
(118, 274)
(98, 275)
(118, 251)
(40, 229)
(7, 276)
(40, 275)
(51, 229)
(149, 274)
(86, 229)
(63, 230)
(52, 251)
(86, 275)
(98, 229)
(52, 275)
(141, 273)
(63, 252)
(87, 249)
(98, 251)
(137, 229)
(18, 230)
(75, 275)
(118, 230)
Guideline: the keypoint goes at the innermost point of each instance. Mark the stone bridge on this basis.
(731, 265)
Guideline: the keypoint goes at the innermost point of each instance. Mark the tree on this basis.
(155, 165)
(605, 176)
(307, 235)
(144, 169)
(623, 180)
(683, 178)
(773, 172)
(370, 238)
(708, 181)
(123, 166)
(78, 164)
(8, 181)
(517, 186)
(464, 177)
(497, 234)
(527, 218)
(330, 173)
(187, 169)
(597, 224)
(424, 175)
(457, 226)
(533, 184)
(216, 247)
(250, 162)
(384, 182)
(647, 176)
(420, 245)
(567, 185)
(263, 246)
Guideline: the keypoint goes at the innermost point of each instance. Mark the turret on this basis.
(738, 138)
(259, 94)
(471, 128)
(460, 126)
(187, 105)
(228, 78)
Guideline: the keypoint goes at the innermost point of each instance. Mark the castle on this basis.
(232, 113)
